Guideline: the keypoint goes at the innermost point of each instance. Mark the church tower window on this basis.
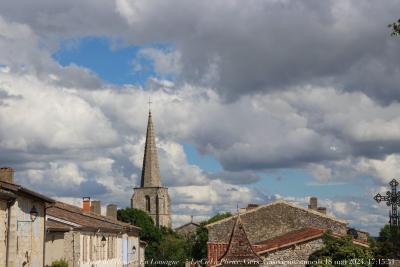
(147, 198)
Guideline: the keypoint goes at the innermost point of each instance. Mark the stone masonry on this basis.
(151, 196)
(293, 255)
(72, 248)
(268, 221)
(160, 204)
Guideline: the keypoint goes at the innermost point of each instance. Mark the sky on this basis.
(251, 102)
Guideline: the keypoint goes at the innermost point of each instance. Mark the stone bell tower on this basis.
(151, 196)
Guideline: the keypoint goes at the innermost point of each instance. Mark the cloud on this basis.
(244, 177)
(58, 119)
(238, 49)
(250, 89)
(21, 52)
(164, 62)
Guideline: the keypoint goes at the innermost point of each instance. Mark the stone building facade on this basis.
(22, 220)
(151, 196)
(86, 238)
(277, 232)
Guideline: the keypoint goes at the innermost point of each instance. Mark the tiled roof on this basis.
(288, 239)
(187, 224)
(18, 189)
(279, 201)
(239, 247)
(295, 237)
(57, 226)
(65, 213)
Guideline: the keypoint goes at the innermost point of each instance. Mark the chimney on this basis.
(86, 204)
(7, 174)
(322, 210)
(313, 203)
(95, 207)
(112, 211)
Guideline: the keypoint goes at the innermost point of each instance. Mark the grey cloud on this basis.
(242, 49)
(6, 96)
(91, 188)
(257, 56)
(244, 177)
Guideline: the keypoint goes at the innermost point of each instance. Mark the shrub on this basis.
(59, 263)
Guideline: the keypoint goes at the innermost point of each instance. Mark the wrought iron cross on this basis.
(392, 198)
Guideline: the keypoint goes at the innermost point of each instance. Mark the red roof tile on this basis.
(57, 226)
(289, 239)
(86, 220)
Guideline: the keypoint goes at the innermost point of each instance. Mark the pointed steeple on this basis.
(151, 169)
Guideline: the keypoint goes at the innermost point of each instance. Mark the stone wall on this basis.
(54, 247)
(293, 255)
(85, 249)
(3, 232)
(26, 237)
(72, 248)
(164, 203)
(273, 220)
(362, 236)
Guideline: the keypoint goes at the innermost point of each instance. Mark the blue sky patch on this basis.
(205, 162)
(112, 63)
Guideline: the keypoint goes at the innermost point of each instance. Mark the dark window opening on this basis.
(147, 198)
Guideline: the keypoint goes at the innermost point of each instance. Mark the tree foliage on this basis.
(164, 243)
(395, 27)
(387, 246)
(149, 232)
(341, 251)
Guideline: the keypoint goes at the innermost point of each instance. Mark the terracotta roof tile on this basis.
(57, 226)
(20, 189)
(86, 220)
(288, 239)
(296, 237)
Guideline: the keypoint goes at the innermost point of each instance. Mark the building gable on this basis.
(275, 219)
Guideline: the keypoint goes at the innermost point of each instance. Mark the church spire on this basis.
(151, 169)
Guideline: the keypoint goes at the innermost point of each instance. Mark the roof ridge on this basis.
(187, 224)
(279, 201)
(91, 215)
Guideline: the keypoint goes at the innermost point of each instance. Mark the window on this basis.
(147, 198)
